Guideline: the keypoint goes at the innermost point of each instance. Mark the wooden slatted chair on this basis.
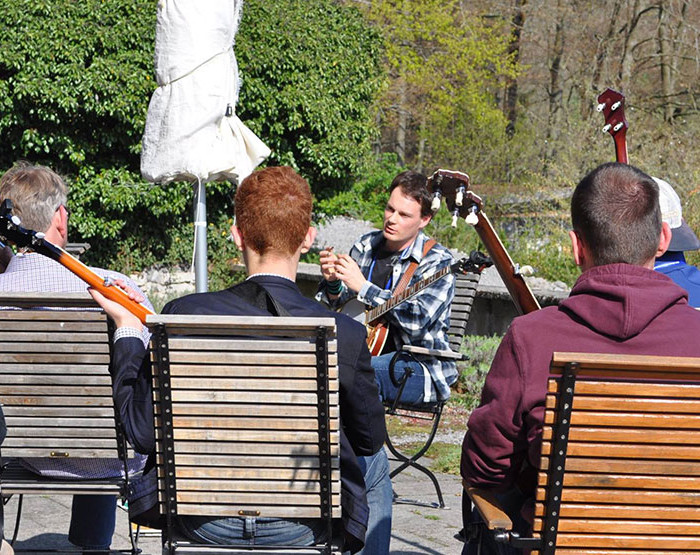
(246, 421)
(465, 291)
(620, 470)
(56, 395)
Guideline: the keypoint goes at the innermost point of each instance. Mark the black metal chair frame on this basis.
(459, 316)
(544, 545)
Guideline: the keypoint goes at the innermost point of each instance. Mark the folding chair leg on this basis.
(5, 548)
(134, 538)
(412, 462)
(20, 498)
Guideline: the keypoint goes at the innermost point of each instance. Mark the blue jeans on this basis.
(253, 530)
(380, 496)
(92, 521)
(414, 392)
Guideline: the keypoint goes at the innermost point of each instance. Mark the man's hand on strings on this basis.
(347, 270)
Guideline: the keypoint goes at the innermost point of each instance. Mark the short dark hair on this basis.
(414, 185)
(615, 210)
(273, 210)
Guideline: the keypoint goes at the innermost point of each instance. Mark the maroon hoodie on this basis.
(616, 308)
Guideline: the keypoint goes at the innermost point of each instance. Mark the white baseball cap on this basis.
(682, 237)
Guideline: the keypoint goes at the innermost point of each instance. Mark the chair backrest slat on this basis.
(55, 386)
(242, 398)
(465, 292)
(631, 466)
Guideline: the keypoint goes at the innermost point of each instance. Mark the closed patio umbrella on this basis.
(192, 131)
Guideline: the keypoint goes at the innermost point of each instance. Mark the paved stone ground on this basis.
(415, 530)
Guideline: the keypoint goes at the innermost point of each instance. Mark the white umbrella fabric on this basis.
(192, 131)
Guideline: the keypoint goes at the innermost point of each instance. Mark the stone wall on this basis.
(491, 314)
(164, 284)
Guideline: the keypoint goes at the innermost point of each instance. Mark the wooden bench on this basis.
(56, 393)
(620, 468)
(465, 292)
(246, 416)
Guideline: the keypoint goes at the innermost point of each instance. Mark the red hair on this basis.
(273, 210)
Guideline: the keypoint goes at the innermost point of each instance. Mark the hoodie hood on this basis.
(620, 300)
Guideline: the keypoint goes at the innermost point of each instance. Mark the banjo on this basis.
(454, 188)
(612, 104)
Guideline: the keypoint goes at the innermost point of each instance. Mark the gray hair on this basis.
(36, 193)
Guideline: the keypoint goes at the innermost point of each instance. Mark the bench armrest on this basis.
(489, 508)
(436, 353)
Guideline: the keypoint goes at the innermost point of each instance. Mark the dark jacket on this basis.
(361, 412)
(616, 308)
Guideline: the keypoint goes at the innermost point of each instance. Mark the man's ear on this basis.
(664, 239)
(59, 222)
(309, 239)
(237, 237)
(577, 248)
(425, 220)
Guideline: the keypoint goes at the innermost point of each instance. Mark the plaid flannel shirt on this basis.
(27, 273)
(422, 320)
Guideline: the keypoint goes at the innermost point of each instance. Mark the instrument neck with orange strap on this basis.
(11, 230)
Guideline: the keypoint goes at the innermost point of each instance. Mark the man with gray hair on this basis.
(39, 198)
(672, 263)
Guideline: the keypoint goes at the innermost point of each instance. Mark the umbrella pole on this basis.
(200, 238)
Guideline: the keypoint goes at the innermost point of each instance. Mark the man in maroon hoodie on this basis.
(617, 305)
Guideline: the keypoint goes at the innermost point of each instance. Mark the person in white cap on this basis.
(672, 263)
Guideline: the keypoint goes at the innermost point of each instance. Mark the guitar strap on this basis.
(406, 278)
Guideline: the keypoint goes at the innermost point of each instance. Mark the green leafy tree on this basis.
(311, 71)
(73, 79)
(76, 78)
(446, 66)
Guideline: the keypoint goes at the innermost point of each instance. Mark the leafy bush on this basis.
(311, 70)
(75, 81)
(481, 350)
(366, 198)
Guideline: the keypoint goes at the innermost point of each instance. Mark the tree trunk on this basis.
(402, 124)
(511, 99)
(625, 72)
(601, 57)
(421, 145)
(664, 51)
(555, 91)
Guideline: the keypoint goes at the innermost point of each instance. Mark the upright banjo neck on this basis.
(453, 186)
(612, 104)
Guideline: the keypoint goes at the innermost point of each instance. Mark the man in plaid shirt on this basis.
(371, 271)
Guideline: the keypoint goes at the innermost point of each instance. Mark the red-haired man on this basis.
(272, 230)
